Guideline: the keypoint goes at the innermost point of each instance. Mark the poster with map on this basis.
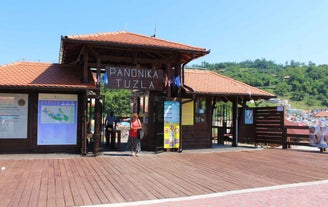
(57, 119)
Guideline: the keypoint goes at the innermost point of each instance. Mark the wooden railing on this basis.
(269, 129)
(295, 135)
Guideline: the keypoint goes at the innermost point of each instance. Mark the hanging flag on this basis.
(105, 78)
(177, 81)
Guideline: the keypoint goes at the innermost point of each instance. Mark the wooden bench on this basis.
(304, 141)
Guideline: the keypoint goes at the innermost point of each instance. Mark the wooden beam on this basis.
(98, 71)
(138, 60)
(80, 54)
(93, 52)
(85, 67)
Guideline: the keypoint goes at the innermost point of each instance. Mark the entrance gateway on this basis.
(149, 70)
(154, 69)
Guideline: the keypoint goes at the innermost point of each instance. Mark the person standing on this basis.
(133, 140)
(109, 123)
(313, 137)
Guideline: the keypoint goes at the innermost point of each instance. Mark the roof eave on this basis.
(232, 94)
(118, 44)
(24, 87)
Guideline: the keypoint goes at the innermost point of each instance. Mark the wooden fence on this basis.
(269, 125)
(270, 129)
(295, 135)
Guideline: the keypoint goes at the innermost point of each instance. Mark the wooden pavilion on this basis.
(153, 68)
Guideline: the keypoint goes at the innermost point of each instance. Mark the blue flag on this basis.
(177, 81)
(105, 78)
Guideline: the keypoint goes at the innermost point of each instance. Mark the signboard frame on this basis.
(172, 110)
(133, 78)
(13, 115)
(57, 119)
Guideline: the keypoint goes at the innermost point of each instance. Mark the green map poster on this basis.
(57, 119)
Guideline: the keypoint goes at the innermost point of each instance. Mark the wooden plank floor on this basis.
(117, 178)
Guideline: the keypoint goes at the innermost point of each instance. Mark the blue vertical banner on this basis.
(248, 116)
(171, 124)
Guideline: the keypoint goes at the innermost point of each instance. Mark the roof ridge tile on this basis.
(101, 37)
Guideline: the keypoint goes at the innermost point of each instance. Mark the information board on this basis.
(13, 115)
(171, 124)
(57, 119)
(248, 116)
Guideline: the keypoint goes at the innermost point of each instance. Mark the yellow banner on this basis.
(187, 112)
(171, 124)
(171, 135)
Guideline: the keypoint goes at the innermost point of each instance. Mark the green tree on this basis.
(300, 81)
(297, 96)
(117, 100)
(282, 88)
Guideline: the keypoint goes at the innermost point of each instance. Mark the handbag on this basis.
(141, 134)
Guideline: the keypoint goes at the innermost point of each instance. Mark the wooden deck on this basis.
(117, 178)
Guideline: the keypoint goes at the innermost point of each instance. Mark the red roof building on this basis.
(322, 114)
(29, 75)
(125, 45)
(138, 58)
(215, 84)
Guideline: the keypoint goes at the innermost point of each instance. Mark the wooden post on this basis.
(97, 135)
(84, 126)
(235, 123)
(98, 117)
(98, 71)
(169, 76)
(85, 66)
(284, 136)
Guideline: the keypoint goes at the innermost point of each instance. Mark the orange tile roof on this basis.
(295, 131)
(46, 75)
(322, 114)
(210, 82)
(129, 38)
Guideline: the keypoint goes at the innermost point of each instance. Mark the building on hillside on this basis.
(321, 114)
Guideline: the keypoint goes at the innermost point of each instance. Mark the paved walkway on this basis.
(72, 180)
(306, 194)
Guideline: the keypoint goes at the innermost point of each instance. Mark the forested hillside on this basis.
(306, 84)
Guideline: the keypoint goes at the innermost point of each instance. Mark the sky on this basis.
(233, 30)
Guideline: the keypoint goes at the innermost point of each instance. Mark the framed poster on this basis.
(57, 119)
(13, 116)
(318, 136)
(248, 116)
(171, 124)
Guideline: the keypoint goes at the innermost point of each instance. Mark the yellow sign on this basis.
(171, 135)
(187, 115)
